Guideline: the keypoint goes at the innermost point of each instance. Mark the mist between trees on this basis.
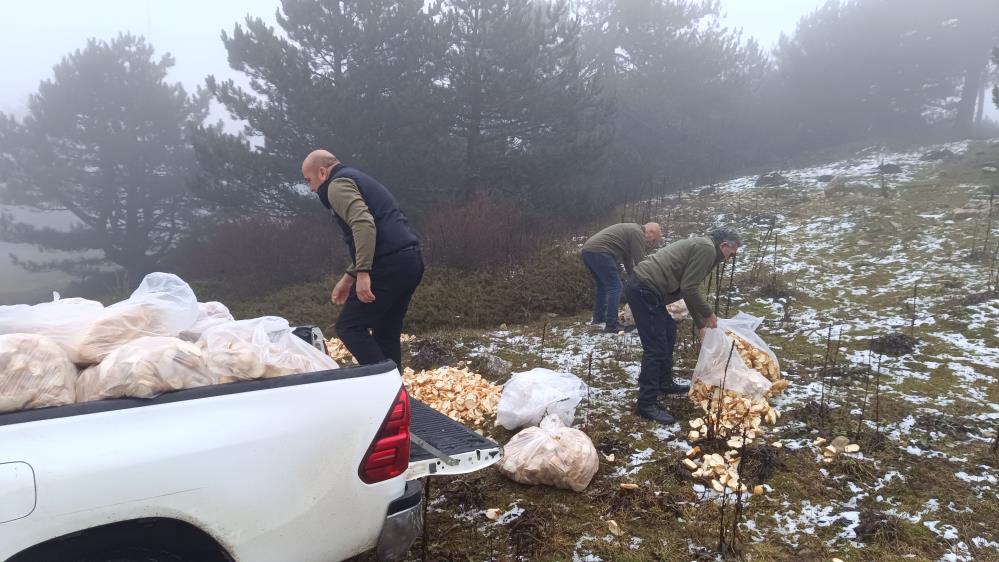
(502, 126)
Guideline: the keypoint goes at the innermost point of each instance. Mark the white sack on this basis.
(34, 373)
(527, 397)
(552, 454)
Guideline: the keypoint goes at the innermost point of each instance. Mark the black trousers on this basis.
(371, 330)
(657, 331)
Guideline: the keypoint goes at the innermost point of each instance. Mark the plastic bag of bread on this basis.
(145, 368)
(62, 321)
(551, 454)
(162, 305)
(259, 348)
(625, 317)
(34, 373)
(678, 310)
(210, 314)
(721, 363)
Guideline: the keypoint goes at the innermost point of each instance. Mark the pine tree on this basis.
(361, 78)
(105, 139)
(928, 68)
(684, 88)
(529, 114)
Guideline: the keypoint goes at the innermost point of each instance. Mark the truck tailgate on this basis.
(443, 446)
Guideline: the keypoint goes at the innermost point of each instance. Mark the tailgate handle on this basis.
(433, 450)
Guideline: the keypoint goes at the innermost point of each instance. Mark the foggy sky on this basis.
(34, 36)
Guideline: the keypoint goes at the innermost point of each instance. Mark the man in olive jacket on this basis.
(624, 244)
(386, 265)
(675, 272)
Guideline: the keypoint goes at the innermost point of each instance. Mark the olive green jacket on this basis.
(676, 271)
(625, 241)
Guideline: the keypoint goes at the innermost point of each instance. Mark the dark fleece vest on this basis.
(392, 232)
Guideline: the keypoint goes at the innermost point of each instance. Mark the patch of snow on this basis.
(986, 477)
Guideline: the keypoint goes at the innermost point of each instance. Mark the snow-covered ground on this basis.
(853, 264)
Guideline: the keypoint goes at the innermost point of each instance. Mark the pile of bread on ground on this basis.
(158, 340)
(456, 392)
(736, 406)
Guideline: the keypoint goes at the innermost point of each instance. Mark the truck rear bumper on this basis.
(403, 524)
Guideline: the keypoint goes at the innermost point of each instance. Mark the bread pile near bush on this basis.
(160, 339)
(737, 419)
(458, 393)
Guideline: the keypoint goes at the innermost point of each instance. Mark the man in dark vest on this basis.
(603, 254)
(670, 274)
(386, 265)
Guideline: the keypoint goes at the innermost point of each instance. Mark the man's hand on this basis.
(364, 293)
(342, 290)
(711, 321)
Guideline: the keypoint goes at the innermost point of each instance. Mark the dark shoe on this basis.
(655, 412)
(596, 322)
(673, 388)
(617, 328)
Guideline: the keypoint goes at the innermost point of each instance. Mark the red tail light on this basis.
(388, 455)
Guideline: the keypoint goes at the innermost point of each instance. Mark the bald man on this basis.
(386, 265)
(620, 244)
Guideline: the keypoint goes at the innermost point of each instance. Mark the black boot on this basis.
(655, 412)
(673, 388)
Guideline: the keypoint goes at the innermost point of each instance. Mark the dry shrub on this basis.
(432, 352)
(258, 254)
(485, 233)
(878, 526)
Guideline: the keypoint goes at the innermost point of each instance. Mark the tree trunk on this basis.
(980, 114)
(472, 147)
(964, 124)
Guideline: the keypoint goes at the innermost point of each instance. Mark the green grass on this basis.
(553, 281)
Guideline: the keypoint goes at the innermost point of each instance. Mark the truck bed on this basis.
(451, 447)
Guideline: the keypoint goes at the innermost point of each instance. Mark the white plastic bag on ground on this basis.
(259, 348)
(144, 368)
(210, 314)
(527, 397)
(717, 349)
(552, 454)
(62, 320)
(162, 305)
(34, 373)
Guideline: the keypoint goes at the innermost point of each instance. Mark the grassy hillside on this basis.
(925, 485)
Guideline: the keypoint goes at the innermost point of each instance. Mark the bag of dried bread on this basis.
(34, 373)
(721, 361)
(210, 314)
(144, 368)
(259, 348)
(62, 321)
(551, 454)
(678, 310)
(162, 305)
(529, 396)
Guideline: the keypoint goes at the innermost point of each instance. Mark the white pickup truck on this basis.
(310, 467)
